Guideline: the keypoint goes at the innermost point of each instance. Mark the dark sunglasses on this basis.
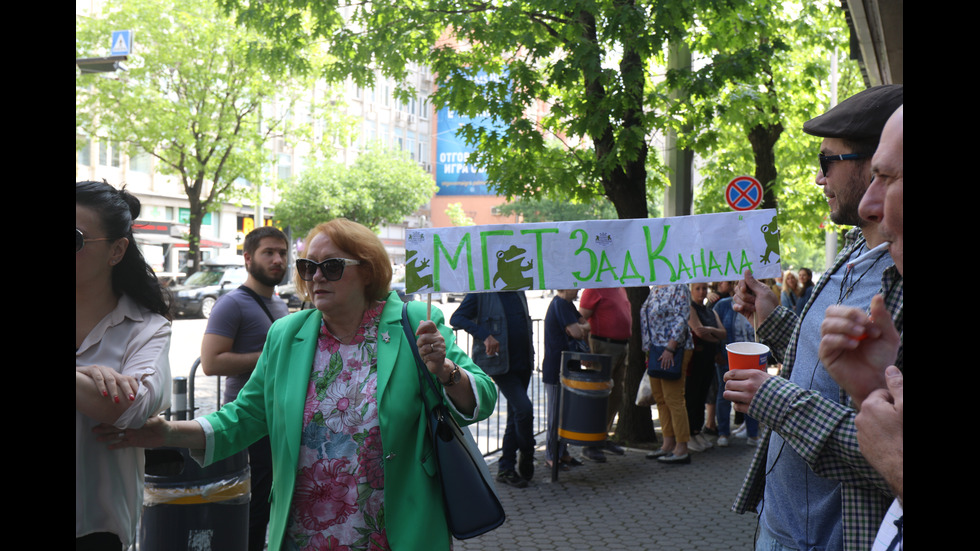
(825, 160)
(331, 268)
(81, 239)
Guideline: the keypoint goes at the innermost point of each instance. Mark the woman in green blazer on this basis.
(337, 391)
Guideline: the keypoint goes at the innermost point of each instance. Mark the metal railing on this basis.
(488, 433)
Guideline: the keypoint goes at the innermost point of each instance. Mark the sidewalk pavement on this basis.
(628, 503)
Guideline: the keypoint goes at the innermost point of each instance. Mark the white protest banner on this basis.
(592, 253)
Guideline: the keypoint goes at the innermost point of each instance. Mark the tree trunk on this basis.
(635, 423)
(196, 219)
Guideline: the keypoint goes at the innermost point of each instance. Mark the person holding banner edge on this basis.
(503, 347)
(808, 480)
(337, 391)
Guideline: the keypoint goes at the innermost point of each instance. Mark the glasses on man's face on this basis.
(80, 239)
(331, 268)
(825, 160)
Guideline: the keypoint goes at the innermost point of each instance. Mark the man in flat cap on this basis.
(808, 479)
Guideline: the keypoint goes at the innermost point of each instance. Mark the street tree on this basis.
(383, 185)
(762, 71)
(572, 91)
(587, 62)
(545, 209)
(190, 97)
(457, 215)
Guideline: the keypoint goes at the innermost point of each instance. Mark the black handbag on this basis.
(653, 364)
(468, 493)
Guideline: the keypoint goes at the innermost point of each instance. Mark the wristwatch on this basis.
(454, 376)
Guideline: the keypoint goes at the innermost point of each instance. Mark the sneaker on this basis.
(699, 443)
(708, 431)
(753, 441)
(525, 465)
(722, 442)
(595, 454)
(739, 431)
(611, 447)
(511, 478)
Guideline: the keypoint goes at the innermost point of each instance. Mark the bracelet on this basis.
(454, 376)
(671, 351)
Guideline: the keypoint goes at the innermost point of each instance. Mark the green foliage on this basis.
(457, 215)
(550, 210)
(381, 186)
(190, 97)
(568, 78)
(766, 67)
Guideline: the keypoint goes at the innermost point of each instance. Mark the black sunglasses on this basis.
(81, 239)
(825, 160)
(331, 268)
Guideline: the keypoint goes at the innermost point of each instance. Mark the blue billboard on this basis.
(455, 175)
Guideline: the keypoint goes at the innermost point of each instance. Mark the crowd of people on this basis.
(337, 414)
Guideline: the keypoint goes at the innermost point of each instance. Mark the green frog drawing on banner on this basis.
(511, 270)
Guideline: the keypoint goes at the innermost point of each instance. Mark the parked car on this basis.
(288, 293)
(197, 295)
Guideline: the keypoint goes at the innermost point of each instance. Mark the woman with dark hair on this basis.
(708, 332)
(122, 371)
(806, 289)
(337, 391)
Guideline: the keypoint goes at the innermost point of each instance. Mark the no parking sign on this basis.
(743, 193)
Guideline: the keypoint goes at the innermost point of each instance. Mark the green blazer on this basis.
(273, 400)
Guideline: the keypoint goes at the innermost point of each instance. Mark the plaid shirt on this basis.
(821, 431)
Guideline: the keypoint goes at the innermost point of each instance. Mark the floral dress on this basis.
(338, 502)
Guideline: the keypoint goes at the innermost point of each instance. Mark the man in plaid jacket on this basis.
(808, 480)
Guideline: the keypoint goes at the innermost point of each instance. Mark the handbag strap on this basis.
(423, 372)
(258, 299)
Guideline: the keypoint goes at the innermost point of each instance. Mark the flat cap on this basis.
(861, 116)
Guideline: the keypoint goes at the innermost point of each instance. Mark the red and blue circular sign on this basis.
(743, 193)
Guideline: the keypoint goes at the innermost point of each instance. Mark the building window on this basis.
(141, 162)
(85, 153)
(285, 166)
(109, 154)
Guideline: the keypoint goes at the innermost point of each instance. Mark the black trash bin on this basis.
(584, 397)
(186, 507)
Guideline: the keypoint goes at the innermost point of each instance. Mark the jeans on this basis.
(766, 542)
(723, 409)
(519, 434)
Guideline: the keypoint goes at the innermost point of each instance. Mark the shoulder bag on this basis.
(468, 493)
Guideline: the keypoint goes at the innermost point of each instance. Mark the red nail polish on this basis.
(105, 393)
(132, 398)
(115, 399)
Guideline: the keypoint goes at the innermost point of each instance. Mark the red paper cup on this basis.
(747, 355)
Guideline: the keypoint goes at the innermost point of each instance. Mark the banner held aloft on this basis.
(592, 253)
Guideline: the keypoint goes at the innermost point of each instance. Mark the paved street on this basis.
(628, 503)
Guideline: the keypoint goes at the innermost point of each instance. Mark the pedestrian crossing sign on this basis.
(122, 43)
